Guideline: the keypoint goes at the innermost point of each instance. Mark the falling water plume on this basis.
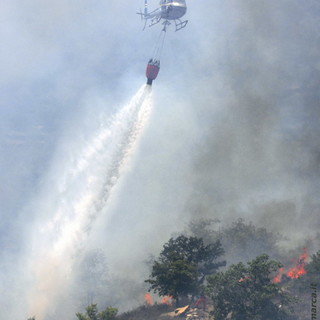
(77, 197)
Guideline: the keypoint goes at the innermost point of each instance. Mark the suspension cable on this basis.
(159, 44)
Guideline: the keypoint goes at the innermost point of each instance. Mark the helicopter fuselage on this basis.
(168, 10)
(172, 9)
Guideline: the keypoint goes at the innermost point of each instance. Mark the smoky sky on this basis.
(234, 128)
(263, 151)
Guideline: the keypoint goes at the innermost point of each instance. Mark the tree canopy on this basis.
(183, 265)
(247, 292)
(92, 313)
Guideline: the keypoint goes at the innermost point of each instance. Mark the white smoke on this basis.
(75, 197)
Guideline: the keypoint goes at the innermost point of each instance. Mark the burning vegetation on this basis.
(168, 300)
(263, 288)
(148, 299)
(188, 282)
(296, 271)
(299, 269)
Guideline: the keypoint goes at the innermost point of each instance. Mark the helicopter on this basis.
(169, 10)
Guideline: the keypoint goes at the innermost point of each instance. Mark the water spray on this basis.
(80, 195)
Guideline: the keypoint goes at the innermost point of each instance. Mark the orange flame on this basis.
(243, 279)
(148, 299)
(278, 277)
(298, 270)
(167, 300)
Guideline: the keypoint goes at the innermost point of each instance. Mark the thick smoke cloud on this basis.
(260, 152)
(234, 130)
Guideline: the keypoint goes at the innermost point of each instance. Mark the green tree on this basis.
(92, 313)
(183, 265)
(247, 292)
(109, 313)
(173, 278)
